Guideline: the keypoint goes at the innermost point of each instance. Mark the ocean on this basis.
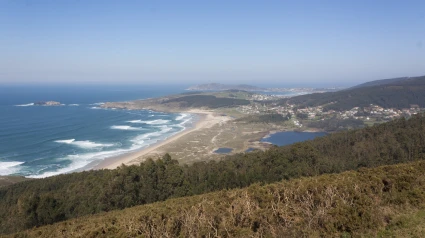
(42, 141)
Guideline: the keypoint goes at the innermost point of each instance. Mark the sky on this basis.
(260, 42)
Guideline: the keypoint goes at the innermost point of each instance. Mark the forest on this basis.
(45, 201)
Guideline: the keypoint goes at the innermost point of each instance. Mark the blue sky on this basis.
(254, 42)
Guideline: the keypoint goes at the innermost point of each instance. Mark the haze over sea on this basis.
(41, 141)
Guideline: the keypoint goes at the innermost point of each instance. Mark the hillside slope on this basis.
(379, 82)
(385, 201)
(176, 103)
(399, 94)
(46, 201)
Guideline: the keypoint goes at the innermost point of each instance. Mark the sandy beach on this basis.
(207, 119)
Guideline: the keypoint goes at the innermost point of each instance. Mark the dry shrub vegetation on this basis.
(378, 202)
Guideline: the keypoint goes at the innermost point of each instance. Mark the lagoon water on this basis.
(223, 150)
(290, 137)
(41, 141)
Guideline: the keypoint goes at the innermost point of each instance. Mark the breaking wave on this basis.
(153, 122)
(182, 116)
(85, 144)
(25, 105)
(11, 167)
(126, 128)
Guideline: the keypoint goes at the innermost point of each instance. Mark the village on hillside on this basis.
(369, 115)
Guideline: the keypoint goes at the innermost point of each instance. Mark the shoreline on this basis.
(206, 119)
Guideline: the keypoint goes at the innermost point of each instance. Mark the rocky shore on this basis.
(47, 103)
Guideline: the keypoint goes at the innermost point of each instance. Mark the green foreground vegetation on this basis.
(39, 202)
(380, 202)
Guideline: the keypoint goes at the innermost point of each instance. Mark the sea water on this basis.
(41, 141)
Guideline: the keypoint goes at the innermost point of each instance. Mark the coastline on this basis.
(206, 119)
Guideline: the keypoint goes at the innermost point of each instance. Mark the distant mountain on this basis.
(391, 93)
(222, 87)
(380, 82)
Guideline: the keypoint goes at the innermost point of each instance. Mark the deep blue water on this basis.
(290, 137)
(39, 141)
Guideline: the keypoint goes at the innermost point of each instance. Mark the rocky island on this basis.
(47, 103)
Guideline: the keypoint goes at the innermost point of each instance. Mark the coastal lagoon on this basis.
(223, 150)
(41, 141)
(290, 137)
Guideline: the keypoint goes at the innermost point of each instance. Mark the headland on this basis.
(216, 127)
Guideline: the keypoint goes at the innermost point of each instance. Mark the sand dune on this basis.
(207, 119)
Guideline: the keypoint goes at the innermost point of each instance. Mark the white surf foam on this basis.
(74, 105)
(78, 162)
(98, 103)
(81, 161)
(183, 123)
(182, 116)
(85, 144)
(164, 129)
(89, 144)
(153, 122)
(152, 136)
(184, 120)
(11, 167)
(25, 105)
(136, 121)
(65, 141)
(95, 108)
(126, 128)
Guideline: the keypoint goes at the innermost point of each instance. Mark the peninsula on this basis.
(239, 119)
(250, 88)
(219, 124)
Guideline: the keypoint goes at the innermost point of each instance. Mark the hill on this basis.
(393, 94)
(46, 201)
(387, 201)
(182, 101)
(208, 101)
(379, 82)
